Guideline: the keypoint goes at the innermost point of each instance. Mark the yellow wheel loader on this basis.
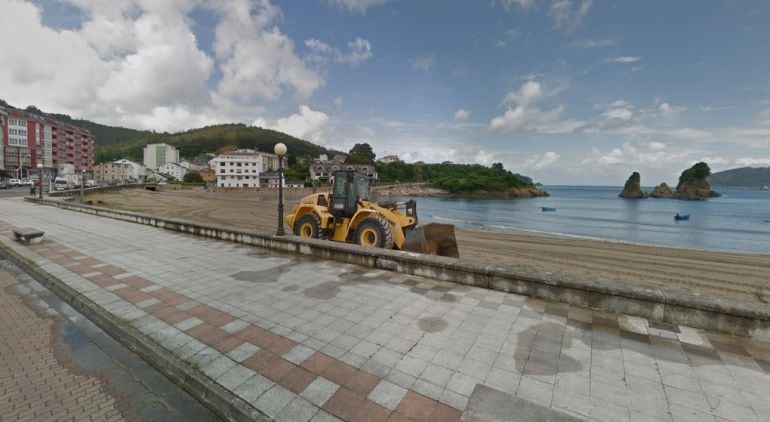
(346, 215)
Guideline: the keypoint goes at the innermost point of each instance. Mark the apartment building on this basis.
(29, 138)
(174, 170)
(115, 172)
(241, 168)
(156, 155)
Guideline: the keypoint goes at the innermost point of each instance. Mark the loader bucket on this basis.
(434, 239)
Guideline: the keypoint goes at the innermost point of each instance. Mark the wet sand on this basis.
(744, 276)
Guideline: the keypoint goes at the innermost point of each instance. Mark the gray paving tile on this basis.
(387, 394)
(319, 391)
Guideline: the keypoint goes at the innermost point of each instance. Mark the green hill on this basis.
(745, 177)
(211, 139)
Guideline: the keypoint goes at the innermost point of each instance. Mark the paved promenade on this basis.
(55, 365)
(301, 339)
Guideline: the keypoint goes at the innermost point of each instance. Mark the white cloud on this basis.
(359, 6)
(359, 50)
(529, 93)
(753, 162)
(338, 101)
(308, 124)
(484, 158)
(523, 4)
(137, 63)
(540, 162)
(526, 116)
(256, 58)
(461, 115)
(624, 59)
(596, 43)
(656, 146)
(567, 14)
(668, 109)
(423, 62)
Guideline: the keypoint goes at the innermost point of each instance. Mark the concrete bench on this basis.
(28, 235)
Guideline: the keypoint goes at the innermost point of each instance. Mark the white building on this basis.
(156, 155)
(172, 169)
(241, 168)
(138, 171)
(389, 159)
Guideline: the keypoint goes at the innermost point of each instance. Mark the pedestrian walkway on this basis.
(303, 339)
(56, 366)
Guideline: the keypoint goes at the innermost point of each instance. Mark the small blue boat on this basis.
(685, 217)
(549, 209)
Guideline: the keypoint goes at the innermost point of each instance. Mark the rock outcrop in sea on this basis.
(662, 191)
(633, 187)
(693, 185)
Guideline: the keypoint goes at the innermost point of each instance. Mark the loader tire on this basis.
(309, 225)
(374, 232)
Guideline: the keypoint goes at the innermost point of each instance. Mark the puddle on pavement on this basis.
(432, 324)
(270, 275)
(323, 291)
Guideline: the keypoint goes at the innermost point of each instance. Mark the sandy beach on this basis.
(744, 276)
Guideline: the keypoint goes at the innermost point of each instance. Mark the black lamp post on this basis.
(280, 151)
(40, 179)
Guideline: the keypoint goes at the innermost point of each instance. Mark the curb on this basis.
(731, 316)
(222, 402)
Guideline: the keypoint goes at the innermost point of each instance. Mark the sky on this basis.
(564, 91)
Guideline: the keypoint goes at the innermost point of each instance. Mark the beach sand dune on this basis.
(743, 276)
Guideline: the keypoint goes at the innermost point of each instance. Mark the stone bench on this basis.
(28, 235)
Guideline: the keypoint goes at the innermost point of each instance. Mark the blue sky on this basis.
(565, 91)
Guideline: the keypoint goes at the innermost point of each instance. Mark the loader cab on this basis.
(349, 187)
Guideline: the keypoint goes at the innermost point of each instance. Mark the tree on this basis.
(361, 154)
(192, 176)
(699, 171)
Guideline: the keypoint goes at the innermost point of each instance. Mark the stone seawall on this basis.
(730, 316)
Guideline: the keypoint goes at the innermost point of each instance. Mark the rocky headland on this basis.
(426, 190)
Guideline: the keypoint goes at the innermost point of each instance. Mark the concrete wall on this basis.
(749, 319)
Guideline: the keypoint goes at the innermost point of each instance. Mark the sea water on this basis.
(738, 221)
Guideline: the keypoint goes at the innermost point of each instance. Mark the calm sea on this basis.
(738, 221)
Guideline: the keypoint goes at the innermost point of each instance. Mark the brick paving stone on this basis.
(297, 379)
(317, 363)
(339, 372)
(343, 404)
(362, 383)
(415, 406)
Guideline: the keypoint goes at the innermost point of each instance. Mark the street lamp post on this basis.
(280, 151)
(40, 179)
(83, 185)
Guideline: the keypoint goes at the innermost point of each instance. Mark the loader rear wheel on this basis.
(309, 225)
(374, 232)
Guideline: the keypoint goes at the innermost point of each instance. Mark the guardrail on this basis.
(744, 318)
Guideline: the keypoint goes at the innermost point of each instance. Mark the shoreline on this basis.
(728, 274)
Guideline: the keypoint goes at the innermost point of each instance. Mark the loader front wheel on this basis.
(309, 225)
(374, 232)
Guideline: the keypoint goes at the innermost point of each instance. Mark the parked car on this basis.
(3, 184)
(90, 183)
(14, 182)
(26, 182)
